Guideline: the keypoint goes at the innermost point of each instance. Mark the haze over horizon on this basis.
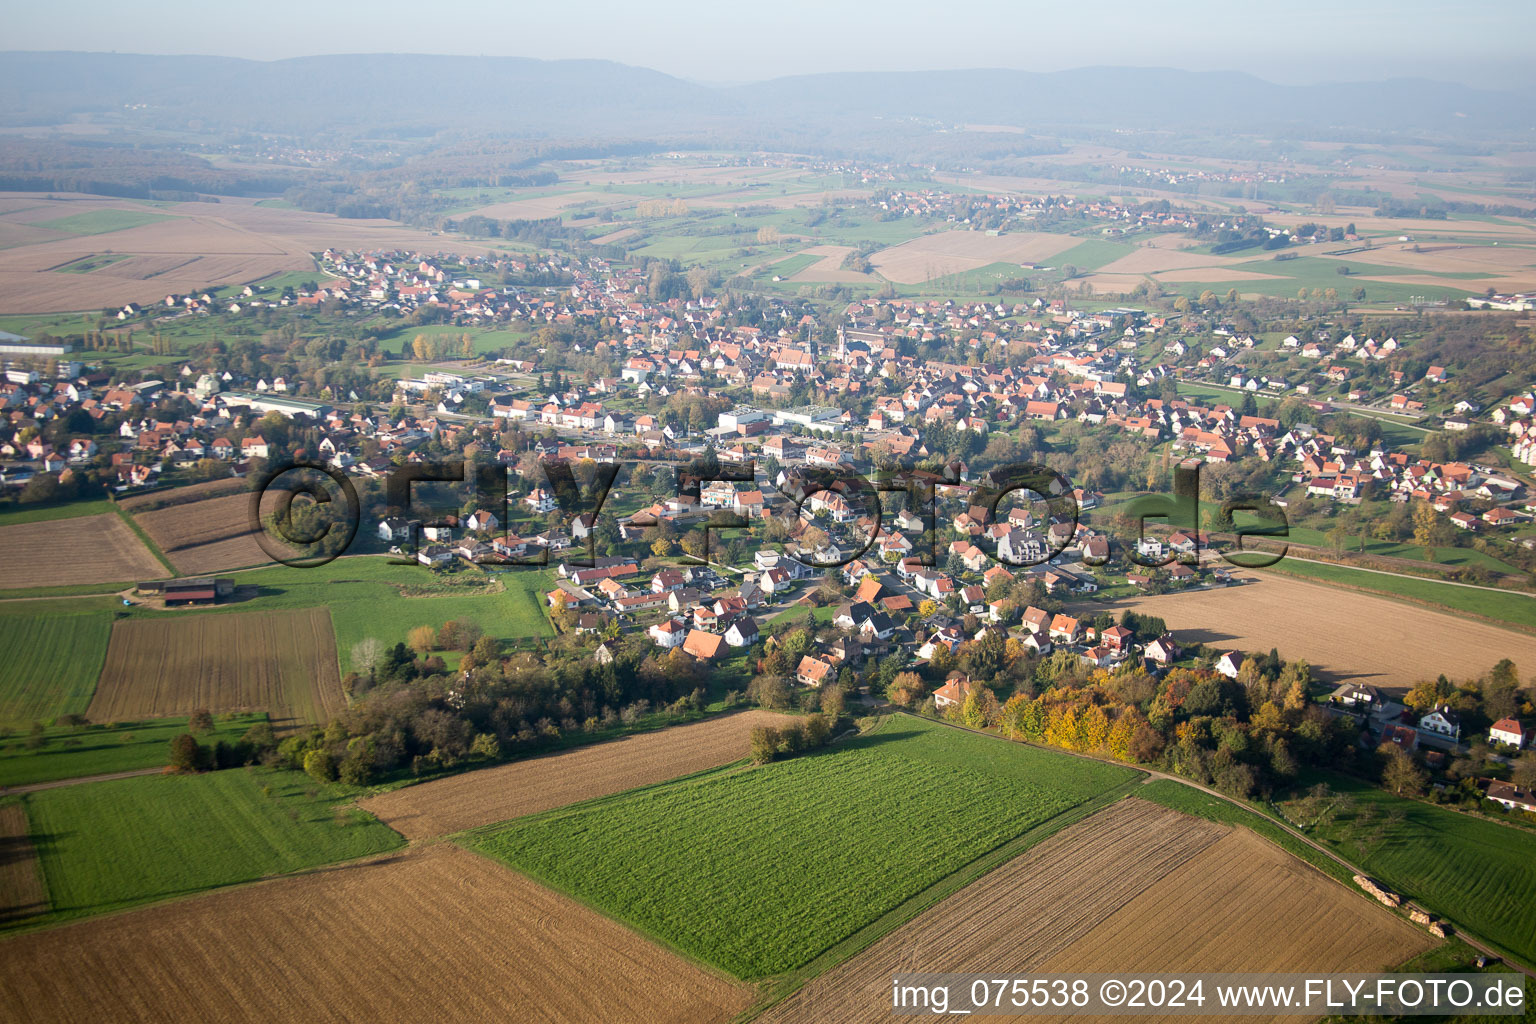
(1313, 41)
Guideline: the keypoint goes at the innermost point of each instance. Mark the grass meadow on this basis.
(1476, 872)
(104, 747)
(54, 655)
(758, 870)
(108, 845)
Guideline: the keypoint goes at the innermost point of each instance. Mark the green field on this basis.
(1477, 873)
(100, 222)
(363, 594)
(54, 655)
(758, 870)
(12, 514)
(105, 747)
(109, 845)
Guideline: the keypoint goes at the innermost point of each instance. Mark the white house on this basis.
(1442, 721)
(1509, 732)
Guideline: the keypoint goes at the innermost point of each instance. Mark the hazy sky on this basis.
(1485, 42)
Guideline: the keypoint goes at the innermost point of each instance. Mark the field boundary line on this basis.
(145, 539)
(1470, 938)
(781, 988)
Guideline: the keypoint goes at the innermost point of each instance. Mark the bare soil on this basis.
(64, 552)
(428, 936)
(509, 791)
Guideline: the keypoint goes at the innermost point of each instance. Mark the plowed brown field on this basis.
(63, 552)
(1344, 634)
(953, 252)
(431, 936)
(281, 662)
(207, 536)
(1243, 904)
(1015, 917)
(1135, 888)
(526, 787)
(21, 879)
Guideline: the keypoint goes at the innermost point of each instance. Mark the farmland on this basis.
(54, 656)
(1225, 901)
(952, 252)
(1478, 873)
(282, 662)
(1111, 885)
(370, 597)
(539, 784)
(183, 247)
(1342, 634)
(83, 549)
(206, 536)
(102, 748)
(22, 892)
(406, 938)
(108, 845)
(849, 823)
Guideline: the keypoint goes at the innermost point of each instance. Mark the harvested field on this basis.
(208, 536)
(1343, 634)
(1152, 260)
(64, 552)
(22, 892)
(197, 246)
(181, 495)
(1100, 897)
(1215, 274)
(954, 252)
(1225, 900)
(830, 266)
(281, 662)
(431, 935)
(540, 207)
(543, 783)
(1016, 917)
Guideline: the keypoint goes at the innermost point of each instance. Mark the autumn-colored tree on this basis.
(187, 755)
(421, 639)
(201, 721)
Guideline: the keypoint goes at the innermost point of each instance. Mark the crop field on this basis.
(1102, 896)
(1343, 634)
(433, 934)
(1473, 871)
(51, 663)
(207, 536)
(281, 662)
(181, 248)
(150, 500)
(22, 892)
(701, 863)
(84, 549)
(828, 265)
(109, 845)
(1227, 900)
(953, 252)
(1017, 915)
(508, 791)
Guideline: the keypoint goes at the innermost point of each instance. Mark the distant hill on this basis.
(407, 95)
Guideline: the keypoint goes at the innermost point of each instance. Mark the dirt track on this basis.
(431, 936)
(539, 784)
